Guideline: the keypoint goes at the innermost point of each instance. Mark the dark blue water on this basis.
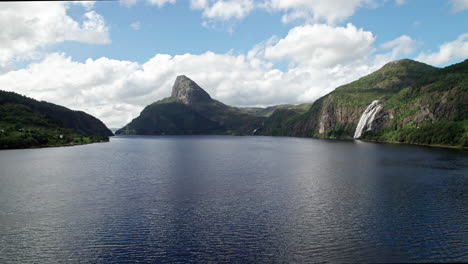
(220, 199)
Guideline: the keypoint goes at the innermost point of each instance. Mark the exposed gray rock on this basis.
(188, 91)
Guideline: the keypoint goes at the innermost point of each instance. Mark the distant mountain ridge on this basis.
(414, 103)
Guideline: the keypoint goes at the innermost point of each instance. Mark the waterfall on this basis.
(365, 123)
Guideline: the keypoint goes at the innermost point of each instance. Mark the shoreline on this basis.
(415, 144)
(56, 146)
(337, 139)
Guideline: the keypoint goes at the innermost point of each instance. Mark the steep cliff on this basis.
(417, 104)
(188, 92)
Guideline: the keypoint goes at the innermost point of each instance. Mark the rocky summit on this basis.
(188, 91)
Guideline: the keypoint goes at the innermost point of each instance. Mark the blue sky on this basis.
(174, 29)
(113, 58)
(177, 29)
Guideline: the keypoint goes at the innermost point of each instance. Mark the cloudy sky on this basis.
(112, 58)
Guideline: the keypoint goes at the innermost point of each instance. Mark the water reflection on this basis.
(232, 199)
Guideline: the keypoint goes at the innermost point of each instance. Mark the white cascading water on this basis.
(365, 123)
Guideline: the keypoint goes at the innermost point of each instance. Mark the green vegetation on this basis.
(25, 122)
(281, 122)
(170, 117)
(422, 105)
(433, 111)
(19, 136)
(448, 133)
(191, 111)
(381, 84)
(268, 111)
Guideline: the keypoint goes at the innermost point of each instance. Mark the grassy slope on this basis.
(282, 121)
(25, 122)
(233, 120)
(268, 111)
(349, 98)
(428, 105)
(443, 95)
(170, 117)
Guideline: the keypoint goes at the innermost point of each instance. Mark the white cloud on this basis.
(88, 5)
(397, 48)
(116, 91)
(322, 45)
(128, 3)
(223, 9)
(93, 30)
(402, 45)
(135, 25)
(330, 11)
(400, 2)
(91, 86)
(161, 2)
(457, 49)
(158, 3)
(320, 56)
(459, 5)
(32, 26)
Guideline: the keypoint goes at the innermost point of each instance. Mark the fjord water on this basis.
(221, 199)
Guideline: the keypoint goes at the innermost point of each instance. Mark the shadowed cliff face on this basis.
(189, 92)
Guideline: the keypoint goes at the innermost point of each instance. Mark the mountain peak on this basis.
(402, 63)
(188, 91)
(406, 63)
(405, 67)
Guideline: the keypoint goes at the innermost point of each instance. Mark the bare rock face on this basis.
(333, 114)
(328, 118)
(189, 92)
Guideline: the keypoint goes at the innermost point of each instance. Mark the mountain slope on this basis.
(25, 122)
(191, 110)
(404, 101)
(418, 104)
(170, 117)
